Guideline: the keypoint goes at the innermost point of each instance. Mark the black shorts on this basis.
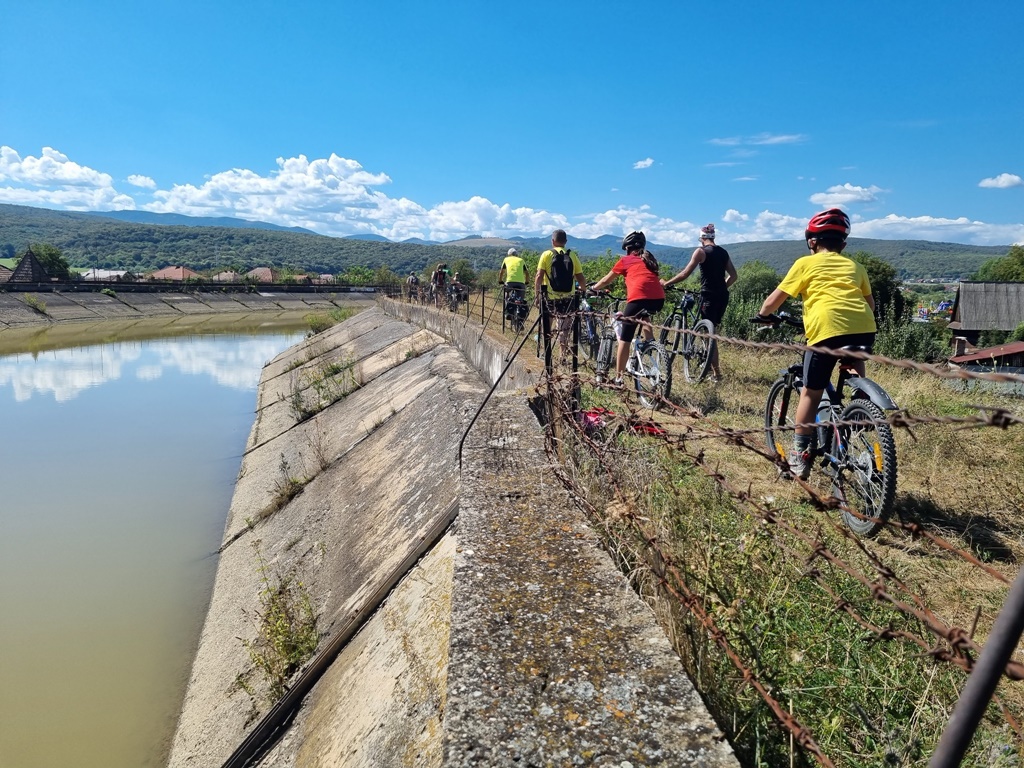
(818, 366)
(713, 307)
(564, 311)
(634, 308)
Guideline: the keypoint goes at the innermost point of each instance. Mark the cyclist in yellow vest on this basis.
(514, 274)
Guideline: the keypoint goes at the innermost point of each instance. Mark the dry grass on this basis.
(867, 702)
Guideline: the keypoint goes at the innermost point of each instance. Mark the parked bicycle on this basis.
(647, 360)
(855, 445)
(679, 340)
(592, 322)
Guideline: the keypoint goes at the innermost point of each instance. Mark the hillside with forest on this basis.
(136, 242)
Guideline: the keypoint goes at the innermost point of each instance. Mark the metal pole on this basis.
(981, 684)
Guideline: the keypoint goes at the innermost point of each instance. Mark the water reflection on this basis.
(120, 460)
(65, 373)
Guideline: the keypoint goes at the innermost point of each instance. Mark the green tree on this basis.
(885, 286)
(464, 268)
(384, 275)
(1017, 334)
(755, 281)
(1009, 269)
(52, 259)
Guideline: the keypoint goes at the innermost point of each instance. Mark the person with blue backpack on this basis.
(560, 272)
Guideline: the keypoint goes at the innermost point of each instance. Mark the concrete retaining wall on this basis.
(514, 641)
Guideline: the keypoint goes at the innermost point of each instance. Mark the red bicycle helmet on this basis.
(831, 223)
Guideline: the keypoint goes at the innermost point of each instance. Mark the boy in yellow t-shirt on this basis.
(838, 312)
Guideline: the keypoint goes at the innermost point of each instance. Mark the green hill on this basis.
(92, 240)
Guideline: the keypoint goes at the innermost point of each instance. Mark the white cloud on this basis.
(773, 138)
(844, 194)
(721, 165)
(960, 230)
(53, 180)
(760, 139)
(745, 178)
(1002, 181)
(141, 181)
(645, 163)
(337, 196)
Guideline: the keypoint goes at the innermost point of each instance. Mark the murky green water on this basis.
(117, 465)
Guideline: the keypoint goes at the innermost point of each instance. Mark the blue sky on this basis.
(444, 119)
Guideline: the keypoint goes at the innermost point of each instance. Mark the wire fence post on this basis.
(977, 693)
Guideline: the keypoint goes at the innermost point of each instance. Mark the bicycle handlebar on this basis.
(778, 319)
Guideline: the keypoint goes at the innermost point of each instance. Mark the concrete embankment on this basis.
(22, 310)
(514, 640)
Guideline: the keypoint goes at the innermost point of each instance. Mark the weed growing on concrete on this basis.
(319, 446)
(109, 292)
(321, 321)
(327, 382)
(287, 632)
(36, 303)
(286, 488)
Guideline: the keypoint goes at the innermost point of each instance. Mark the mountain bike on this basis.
(592, 324)
(647, 361)
(855, 445)
(515, 307)
(678, 340)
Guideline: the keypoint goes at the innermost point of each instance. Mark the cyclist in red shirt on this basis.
(643, 292)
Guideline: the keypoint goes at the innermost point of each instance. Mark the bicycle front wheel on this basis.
(697, 362)
(865, 471)
(649, 377)
(779, 411)
(590, 341)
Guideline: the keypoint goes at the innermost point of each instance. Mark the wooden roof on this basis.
(988, 306)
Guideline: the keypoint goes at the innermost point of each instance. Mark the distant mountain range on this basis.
(140, 240)
(181, 220)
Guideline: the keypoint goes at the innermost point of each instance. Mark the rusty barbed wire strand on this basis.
(692, 602)
(827, 503)
(961, 647)
(958, 373)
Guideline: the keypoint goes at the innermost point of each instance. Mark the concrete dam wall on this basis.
(466, 615)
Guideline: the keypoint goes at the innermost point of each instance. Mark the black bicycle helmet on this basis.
(634, 241)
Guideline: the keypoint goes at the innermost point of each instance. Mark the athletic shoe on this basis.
(800, 458)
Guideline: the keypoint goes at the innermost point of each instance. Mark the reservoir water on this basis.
(117, 463)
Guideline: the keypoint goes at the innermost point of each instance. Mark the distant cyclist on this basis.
(643, 292)
(438, 282)
(717, 273)
(839, 311)
(514, 274)
(412, 283)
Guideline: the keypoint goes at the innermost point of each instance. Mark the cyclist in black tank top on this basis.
(717, 273)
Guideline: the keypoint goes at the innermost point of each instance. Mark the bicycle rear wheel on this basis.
(779, 411)
(865, 471)
(670, 338)
(697, 362)
(649, 378)
(605, 358)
